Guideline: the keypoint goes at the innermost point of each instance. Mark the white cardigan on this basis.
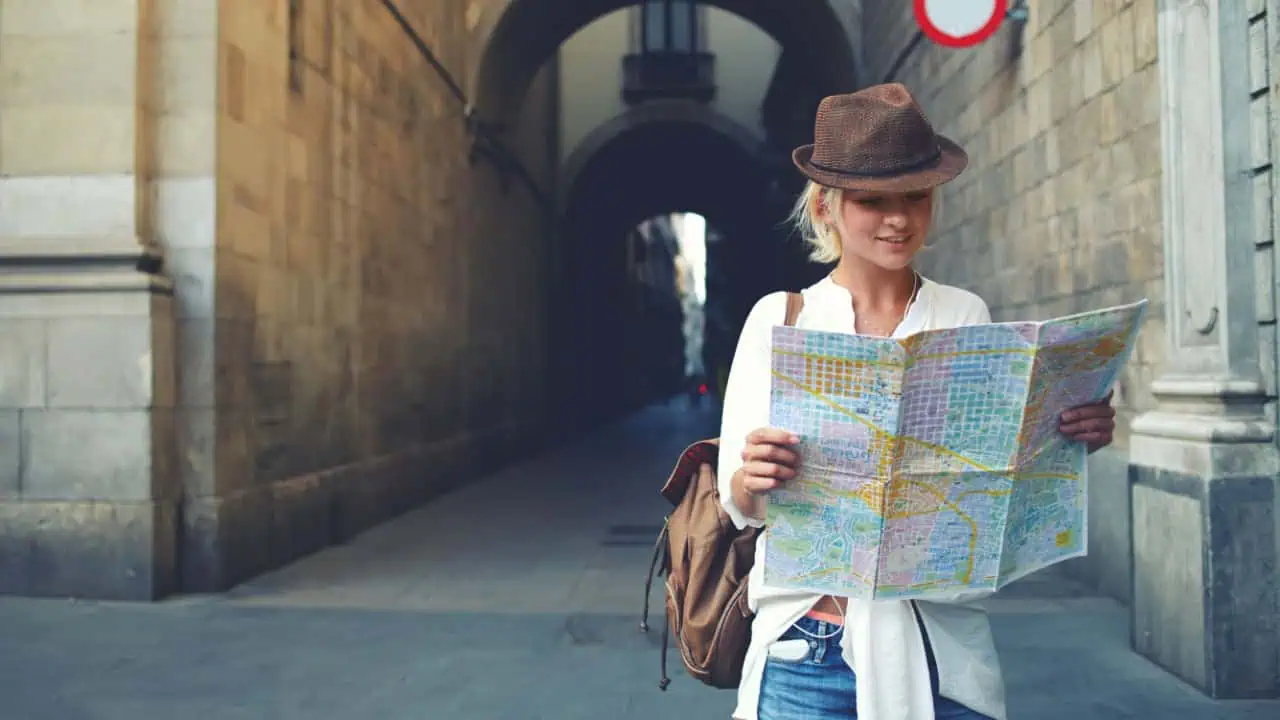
(882, 641)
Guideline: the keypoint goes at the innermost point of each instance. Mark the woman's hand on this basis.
(1093, 424)
(768, 460)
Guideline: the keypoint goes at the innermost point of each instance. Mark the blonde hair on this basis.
(823, 238)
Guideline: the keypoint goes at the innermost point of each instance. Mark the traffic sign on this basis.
(960, 23)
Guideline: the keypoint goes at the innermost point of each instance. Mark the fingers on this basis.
(768, 460)
(1092, 425)
(770, 453)
(1098, 442)
(1088, 412)
(771, 436)
(1088, 425)
(776, 471)
(761, 477)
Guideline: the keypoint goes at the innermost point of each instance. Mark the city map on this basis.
(933, 465)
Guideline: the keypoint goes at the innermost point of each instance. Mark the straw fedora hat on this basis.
(877, 139)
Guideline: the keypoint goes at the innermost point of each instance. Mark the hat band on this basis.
(899, 170)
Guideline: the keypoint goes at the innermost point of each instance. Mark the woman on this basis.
(868, 206)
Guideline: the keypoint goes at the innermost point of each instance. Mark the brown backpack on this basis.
(706, 561)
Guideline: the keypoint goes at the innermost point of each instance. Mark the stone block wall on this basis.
(1059, 210)
(380, 299)
(106, 160)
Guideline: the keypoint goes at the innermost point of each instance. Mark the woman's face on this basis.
(885, 229)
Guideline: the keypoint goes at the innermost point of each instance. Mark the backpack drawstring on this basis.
(648, 582)
(666, 632)
(659, 552)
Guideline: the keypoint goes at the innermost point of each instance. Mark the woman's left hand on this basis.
(1092, 424)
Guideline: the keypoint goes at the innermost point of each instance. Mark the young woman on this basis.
(868, 205)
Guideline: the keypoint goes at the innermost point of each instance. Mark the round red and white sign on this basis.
(960, 23)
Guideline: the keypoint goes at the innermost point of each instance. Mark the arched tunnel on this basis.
(657, 168)
(660, 156)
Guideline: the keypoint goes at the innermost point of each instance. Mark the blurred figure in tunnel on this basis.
(868, 206)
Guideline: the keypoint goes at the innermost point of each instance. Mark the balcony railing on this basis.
(654, 75)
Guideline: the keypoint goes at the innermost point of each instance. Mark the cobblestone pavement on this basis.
(516, 598)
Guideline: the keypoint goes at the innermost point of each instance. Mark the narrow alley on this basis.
(337, 336)
(517, 596)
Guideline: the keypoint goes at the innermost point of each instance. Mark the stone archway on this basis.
(666, 112)
(632, 168)
(527, 33)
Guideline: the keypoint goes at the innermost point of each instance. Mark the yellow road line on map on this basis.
(909, 360)
(913, 359)
(990, 493)
(881, 432)
(838, 358)
(825, 572)
(925, 585)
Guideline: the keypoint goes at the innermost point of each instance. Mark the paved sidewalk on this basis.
(514, 598)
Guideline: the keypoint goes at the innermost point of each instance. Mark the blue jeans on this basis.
(820, 686)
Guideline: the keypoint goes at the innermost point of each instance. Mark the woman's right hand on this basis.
(769, 459)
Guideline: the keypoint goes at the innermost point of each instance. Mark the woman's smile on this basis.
(896, 240)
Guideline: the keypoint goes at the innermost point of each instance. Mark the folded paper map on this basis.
(933, 466)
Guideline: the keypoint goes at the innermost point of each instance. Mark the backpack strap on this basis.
(795, 303)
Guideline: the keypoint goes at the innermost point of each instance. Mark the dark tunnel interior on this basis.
(655, 169)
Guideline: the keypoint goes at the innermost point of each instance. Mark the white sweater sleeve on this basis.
(746, 395)
(977, 314)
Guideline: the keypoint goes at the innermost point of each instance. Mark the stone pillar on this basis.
(1203, 465)
(87, 454)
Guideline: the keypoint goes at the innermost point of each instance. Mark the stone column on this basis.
(1203, 465)
(87, 497)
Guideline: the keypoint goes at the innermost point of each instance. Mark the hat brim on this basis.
(951, 161)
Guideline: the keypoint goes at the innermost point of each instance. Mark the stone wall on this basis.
(1059, 211)
(106, 155)
(248, 313)
(1204, 464)
(1264, 124)
(380, 298)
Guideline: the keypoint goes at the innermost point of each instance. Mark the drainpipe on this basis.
(898, 62)
(491, 146)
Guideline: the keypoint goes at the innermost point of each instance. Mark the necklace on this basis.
(915, 290)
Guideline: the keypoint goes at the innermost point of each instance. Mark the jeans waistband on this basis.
(816, 631)
(824, 638)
